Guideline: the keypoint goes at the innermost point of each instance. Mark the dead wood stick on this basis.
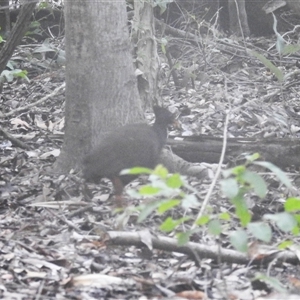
(217, 174)
(14, 140)
(202, 251)
(19, 109)
(63, 219)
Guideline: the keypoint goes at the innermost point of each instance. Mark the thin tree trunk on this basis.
(238, 17)
(17, 32)
(147, 61)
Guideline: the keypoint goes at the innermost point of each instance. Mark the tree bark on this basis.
(4, 18)
(101, 89)
(238, 17)
(147, 61)
(17, 32)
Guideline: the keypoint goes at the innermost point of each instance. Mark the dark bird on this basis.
(133, 145)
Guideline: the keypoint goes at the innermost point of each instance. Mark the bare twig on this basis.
(35, 103)
(190, 248)
(213, 184)
(14, 140)
(63, 219)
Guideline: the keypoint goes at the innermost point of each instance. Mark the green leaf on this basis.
(147, 210)
(292, 204)
(7, 75)
(161, 172)
(253, 157)
(238, 170)
(277, 72)
(170, 224)
(256, 182)
(226, 173)
(203, 220)
(167, 205)
(285, 221)
(10, 65)
(43, 4)
(174, 181)
(189, 201)
(136, 171)
(297, 218)
(295, 231)
(44, 48)
(239, 240)
(273, 282)
(241, 209)
(33, 25)
(277, 171)
(214, 227)
(20, 73)
(147, 190)
(177, 66)
(225, 216)
(229, 187)
(291, 49)
(183, 237)
(285, 244)
(261, 231)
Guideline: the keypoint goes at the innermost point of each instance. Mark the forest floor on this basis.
(55, 244)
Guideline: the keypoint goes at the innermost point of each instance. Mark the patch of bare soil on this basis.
(55, 244)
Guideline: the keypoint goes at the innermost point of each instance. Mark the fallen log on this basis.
(283, 152)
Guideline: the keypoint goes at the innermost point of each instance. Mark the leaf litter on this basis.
(54, 242)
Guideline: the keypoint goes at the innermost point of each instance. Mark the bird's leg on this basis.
(118, 187)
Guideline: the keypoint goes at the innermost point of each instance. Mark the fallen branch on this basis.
(19, 109)
(14, 140)
(197, 250)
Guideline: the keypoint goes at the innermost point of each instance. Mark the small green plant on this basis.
(240, 181)
(34, 29)
(9, 75)
(168, 189)
(283, 49)
(172, 190)
(268, 64)
(44, 4)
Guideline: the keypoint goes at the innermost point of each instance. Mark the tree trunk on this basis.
(4, 18)
(238, 17)
(17, 33)
(147, 61)
(101, 89)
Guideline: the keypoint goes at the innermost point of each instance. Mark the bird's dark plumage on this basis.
(133, 145)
